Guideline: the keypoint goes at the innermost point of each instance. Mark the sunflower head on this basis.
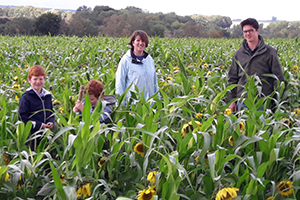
(297, 111)
(147, 194)
(227, 193)
(198, 115)
(242, 126)
(231, 141)
(227, 111)
(285, 188)
(188, 128)
(101, 161)
(295, 68)
(6, 160)
(194, 87)
(86, 190)
(151, 176)
(139, 148)
(62, 178)
(169, 78)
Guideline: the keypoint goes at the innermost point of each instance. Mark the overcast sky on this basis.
(235, 9)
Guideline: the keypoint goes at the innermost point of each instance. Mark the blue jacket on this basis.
(141, 73)
(108, 100)
(36, 109)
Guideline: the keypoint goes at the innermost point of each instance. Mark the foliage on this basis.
(254, 150)
(106, 21)
(48, 23)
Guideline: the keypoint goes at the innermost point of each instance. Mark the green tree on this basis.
(8, 11)
(193, 29)
(80, 26)
(84, 8)
(20, 26)
(48, 23)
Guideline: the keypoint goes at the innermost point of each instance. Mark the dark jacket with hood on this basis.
(37, 109)
(261, 62)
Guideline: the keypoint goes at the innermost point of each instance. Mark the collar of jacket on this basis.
(133, 56)
(260, 47)
(32, 91)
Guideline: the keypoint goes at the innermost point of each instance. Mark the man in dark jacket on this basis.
(256, 58)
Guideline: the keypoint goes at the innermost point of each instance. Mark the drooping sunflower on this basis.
(62, 178)
(79, 192)
(151, 176)
(86, 190)
(231, 141)
(194, 87)
(101, 161)
(198, 115)
(16, 86)
(147, 194)
(270, 198)
(169, 78)
(295, 68)
(285, 188)
(297, 111)
(188, 128)
(139, 148)
(6, 160)
(227, 111)
(227, 194)
(242, 126)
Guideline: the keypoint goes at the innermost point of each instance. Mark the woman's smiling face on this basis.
(138, 46)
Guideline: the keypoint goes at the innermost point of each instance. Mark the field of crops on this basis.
(181, 145)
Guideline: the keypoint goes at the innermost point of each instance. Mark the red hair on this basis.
(36, 70)
(95, 88)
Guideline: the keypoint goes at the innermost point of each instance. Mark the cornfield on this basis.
(182, 144)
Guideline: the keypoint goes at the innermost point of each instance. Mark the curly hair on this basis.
(95, 88)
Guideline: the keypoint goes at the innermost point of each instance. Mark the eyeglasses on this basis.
(249, 31)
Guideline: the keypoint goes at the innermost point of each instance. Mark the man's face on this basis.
(250, 33)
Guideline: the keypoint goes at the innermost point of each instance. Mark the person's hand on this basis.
(232, 107)
(78, 106)
(50, 126)
(44, 126)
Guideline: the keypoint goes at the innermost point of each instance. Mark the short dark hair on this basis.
(140, 33)
(250, 21)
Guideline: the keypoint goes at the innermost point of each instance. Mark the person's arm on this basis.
(105, 117)
(25, 114)
(233, 79)
(50, 116)
(276, 66)
(121, 76)
(156, 86)
(78, 106)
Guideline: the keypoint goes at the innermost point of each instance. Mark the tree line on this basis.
(106, 21)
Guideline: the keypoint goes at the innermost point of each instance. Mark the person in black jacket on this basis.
(36, 102)
(254, 57)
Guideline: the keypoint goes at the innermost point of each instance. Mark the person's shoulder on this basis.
(28, 91)
(47, 92)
